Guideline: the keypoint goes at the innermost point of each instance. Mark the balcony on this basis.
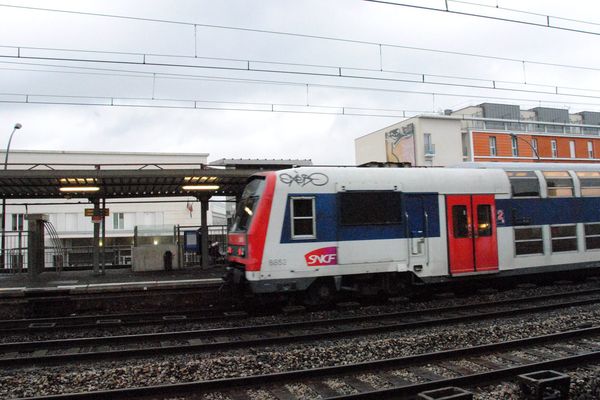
(429, 150)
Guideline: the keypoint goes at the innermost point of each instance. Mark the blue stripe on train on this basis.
(329, 229)
(564, 210)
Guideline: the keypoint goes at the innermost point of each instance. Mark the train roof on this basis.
(422, 180)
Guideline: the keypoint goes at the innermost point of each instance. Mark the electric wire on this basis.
(547, 24)
(419, 78)
(283, 33)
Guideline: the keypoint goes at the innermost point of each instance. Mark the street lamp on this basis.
(17, 126)
(515, 136)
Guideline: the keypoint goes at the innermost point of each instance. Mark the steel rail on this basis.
(226, 384)
(238, 342)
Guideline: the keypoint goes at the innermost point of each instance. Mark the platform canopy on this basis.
(121, 183)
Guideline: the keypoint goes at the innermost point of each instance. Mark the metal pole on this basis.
(103, 235)
(204, 230)
(2, 251)
(96, 241)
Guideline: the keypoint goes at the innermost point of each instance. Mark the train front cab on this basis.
(472, 235)
(246, 240)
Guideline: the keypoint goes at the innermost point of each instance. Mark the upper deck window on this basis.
(559, 183)
(370, 208)
(524, 183)
(590, 183)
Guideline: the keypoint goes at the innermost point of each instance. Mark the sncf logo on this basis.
(323, 256)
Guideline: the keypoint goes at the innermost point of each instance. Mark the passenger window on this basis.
(559, 183)
(484, 220)
(592, 236)
(524, 183)
(590, 183)
(303, 217)
(564, 238)
(370, 208)
(529, 241)
(461, 221)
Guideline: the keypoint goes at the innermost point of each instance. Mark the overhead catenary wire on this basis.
(546, 24)
(282, 33)
(299, 108)
(419, 78)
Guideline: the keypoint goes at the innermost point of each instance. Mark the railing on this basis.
(429, 149)
(532, 127)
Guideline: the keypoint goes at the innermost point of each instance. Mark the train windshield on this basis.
(247, 205)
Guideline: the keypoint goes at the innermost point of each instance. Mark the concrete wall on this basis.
(150, 258)
(446, 136)
(371, 147)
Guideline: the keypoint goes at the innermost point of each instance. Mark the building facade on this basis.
(486, 133)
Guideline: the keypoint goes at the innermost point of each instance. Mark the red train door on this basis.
(472, 241)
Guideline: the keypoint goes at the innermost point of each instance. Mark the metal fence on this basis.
(59, 256)
(191, 254)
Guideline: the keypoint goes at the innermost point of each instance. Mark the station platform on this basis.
(113, 280)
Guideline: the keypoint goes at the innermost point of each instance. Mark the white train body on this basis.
(377, 227)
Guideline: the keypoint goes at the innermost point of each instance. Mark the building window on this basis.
(564, 238)
(118, 220)
(572, 148)
(428, 146)
(370, 208)
(515, 146)
(559, 183)
(524, 183)
(529, 240)
(17, 222)
(592, 236)
(590, 149)
(554, 148)
(534, 145)
(303, 217)
(589, 182)
(493, 151)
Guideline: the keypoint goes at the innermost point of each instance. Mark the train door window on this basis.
(524, 183)
(564, 238)
(529, 240)
(589, 182)
(559, 183)
(484, 220)
(461, 221)
(303, 217)
(592, 236)
(370, 208)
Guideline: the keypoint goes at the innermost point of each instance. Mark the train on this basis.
(321, 230)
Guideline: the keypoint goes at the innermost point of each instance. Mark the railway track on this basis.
(222, 339)
(216, 312)
(397, 378)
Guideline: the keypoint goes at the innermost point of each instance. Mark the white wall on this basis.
(370, 147)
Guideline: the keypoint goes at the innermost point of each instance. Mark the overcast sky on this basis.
(326, 139)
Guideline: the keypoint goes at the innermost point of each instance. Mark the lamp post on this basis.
(2, 251)
(515, 136)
